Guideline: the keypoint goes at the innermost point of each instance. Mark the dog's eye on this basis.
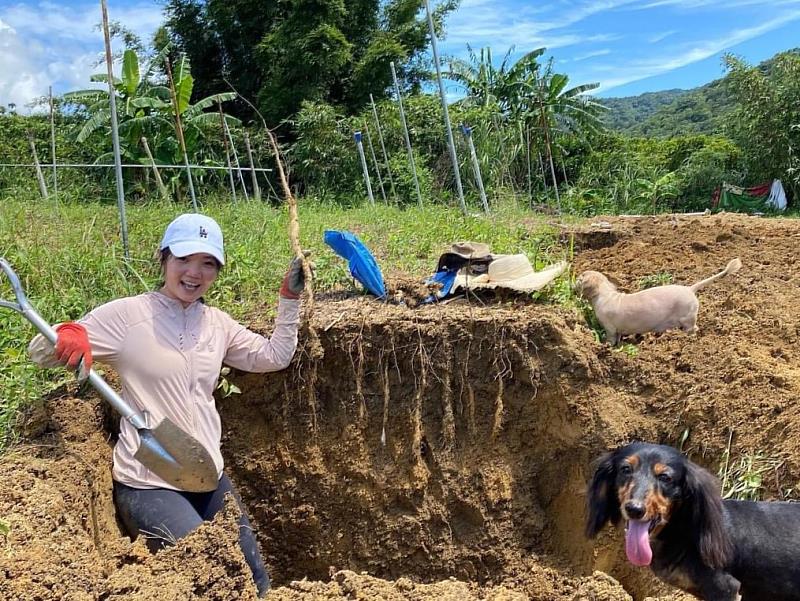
(625, 469)
(665, 478)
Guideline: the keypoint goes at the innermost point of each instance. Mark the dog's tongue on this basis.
(637, 543)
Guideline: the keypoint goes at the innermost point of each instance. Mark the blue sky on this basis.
(628, 46)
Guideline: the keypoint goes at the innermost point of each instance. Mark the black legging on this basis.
(162, 516)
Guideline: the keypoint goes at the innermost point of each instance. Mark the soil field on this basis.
(442, 452)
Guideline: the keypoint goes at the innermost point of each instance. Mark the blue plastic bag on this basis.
(363, 266)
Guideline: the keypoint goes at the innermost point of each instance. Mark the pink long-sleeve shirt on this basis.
(169, 360)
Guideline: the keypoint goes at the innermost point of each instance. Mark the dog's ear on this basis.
(602, 504)
(704, 502)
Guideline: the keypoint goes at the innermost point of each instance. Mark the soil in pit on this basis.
(442, 451)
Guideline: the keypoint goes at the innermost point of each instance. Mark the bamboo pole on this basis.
(476, 167)
(39, 174)
(364, 169)
(112, 98)
(547, 143)
(179, 130)
(375, 162)
(405, 133)
(53, 145)
(443, 96)
(236, 160)
(162, 189)
(544, 173)
(256, 189)
(383, 146)
(527, 143)
(227, 151)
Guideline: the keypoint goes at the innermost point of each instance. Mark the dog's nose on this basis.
(634, 510)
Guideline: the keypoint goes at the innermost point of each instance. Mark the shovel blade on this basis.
(176, 458)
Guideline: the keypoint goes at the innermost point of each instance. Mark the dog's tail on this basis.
(732, 267)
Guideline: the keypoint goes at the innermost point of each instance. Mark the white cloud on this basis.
(722, 4)
(660, 36)
(592, 54)
(481, 23)
(642, 69)
(44, 44)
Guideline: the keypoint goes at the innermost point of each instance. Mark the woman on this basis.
(168, 348)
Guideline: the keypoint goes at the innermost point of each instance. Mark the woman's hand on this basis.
(72, 345)
(294, 282)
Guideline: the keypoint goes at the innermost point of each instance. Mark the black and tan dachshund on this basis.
(677, 523)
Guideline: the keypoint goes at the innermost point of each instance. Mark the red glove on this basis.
(72, 344)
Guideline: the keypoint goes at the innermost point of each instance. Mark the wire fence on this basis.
(135, 166)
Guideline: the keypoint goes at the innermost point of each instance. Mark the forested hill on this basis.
(669, 113)
(628, 111)
(674, 112)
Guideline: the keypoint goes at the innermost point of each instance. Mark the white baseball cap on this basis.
(192, 233)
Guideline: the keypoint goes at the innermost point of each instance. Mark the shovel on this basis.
(166, 450)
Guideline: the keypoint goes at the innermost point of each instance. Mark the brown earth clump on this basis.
(441, 452)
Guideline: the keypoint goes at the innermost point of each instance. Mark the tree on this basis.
(766, 120)
(284, 52)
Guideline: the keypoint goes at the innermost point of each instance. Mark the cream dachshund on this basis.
(652, 310)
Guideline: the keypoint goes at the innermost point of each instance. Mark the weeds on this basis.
(629, 349)
(661, 278)
(743, 479)
(227, 387)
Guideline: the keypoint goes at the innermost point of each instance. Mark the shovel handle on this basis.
(24, 307)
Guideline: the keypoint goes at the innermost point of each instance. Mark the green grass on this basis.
(743, 478)
(70, 259)
(661, 278)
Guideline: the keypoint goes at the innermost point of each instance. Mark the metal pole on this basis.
(53, 145)
(450, 142)
(375, 162)
(383, 146)
(162, 189)
(256, 189)
(179, 130)
(227, 151)
(405, 133)
(112, 97)
(39, 174)
(360, 146)
(467, 131)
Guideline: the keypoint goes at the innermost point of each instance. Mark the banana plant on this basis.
(145, 108)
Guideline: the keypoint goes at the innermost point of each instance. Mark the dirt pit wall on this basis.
(435, 443)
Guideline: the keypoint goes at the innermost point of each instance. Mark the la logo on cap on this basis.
(203, 232)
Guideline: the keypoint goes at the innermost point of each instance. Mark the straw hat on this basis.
(514, 272)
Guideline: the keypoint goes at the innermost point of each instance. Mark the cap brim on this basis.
(184, 249)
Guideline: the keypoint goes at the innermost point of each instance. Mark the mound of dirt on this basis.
(441, 452)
